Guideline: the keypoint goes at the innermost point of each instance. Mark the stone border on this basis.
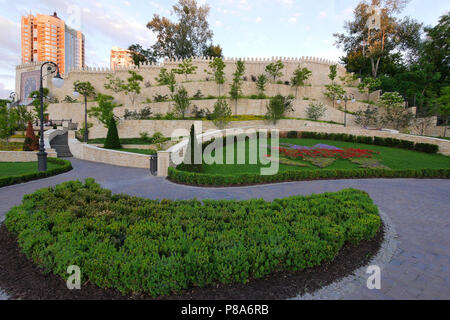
(348, 285)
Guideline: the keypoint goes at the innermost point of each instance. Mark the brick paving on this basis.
(419, 210)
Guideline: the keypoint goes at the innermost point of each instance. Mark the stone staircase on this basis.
(61, 145)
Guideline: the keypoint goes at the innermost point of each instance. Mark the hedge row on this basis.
(379, 141)
(64, 167)
(159, 248)
(301, 175)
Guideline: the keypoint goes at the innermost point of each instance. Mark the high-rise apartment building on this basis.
(121, 58)
(48, 38)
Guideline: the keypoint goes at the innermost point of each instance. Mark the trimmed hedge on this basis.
(202, 179)
(159, 248)
(65, 166)
(379, 141)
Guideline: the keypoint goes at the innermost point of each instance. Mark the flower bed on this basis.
(159, 248)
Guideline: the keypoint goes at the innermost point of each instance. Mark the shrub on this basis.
(181, 102)
(65, 166)
(426, 147)
(221, 115)
(277, 107)
(137, 246)
(31, 142)
(315, 111)
(112, 138)
(292, 135)
(193, 153)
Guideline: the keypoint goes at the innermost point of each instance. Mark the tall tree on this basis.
(274, 69)
(188, 37)
(374, 31)
(299, 78)
(217, 67)
(236, 86)
(140, 55)
(186, 67)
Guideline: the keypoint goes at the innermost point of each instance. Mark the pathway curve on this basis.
(419, 210)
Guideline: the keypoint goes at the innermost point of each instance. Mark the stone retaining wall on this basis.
(118, 158)
(23, 156)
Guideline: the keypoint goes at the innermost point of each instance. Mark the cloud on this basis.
(323, 14)
(258, 20)
(4, 93)
(219, 23)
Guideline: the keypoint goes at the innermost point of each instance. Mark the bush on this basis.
(65, 166)
(221, 114)
(426, 147)
(297, 175)
(136, 245)
(112, 138)
(31, 142)
(315, 111)
(292, 135)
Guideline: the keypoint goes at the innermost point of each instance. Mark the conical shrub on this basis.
(112, 138)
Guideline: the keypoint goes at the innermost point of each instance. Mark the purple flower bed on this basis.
(317, 146)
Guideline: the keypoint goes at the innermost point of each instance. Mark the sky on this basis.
(244, 28)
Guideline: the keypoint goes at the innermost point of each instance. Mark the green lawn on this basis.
(8, 169)
(139, 151)
(391, 157)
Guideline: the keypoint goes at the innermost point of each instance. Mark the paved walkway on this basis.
(419, 210)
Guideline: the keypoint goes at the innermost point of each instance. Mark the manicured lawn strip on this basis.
(20, 172)
(139, 151)
(159, 248)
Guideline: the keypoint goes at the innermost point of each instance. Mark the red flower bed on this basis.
(325, 153)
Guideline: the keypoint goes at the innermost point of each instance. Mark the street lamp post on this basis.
(58, 82)
(346, 97)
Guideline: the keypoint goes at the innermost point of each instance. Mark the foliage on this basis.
(369, 85)
(138, 246)
(141, 55)
(69, 99)
(60, 166)
(23, 116)
(274, 70)
(181, 102)
(31, 142)
(221, 114)
(261, 82)
(84, 88)
(8, 122)
(198, 95)
(367, 117)
(333, 92)
(80, 133)
(213, 51)
(236, 86)
(422, 124)
(167, 79)
(105, 109)
(315, 111)
(112, 137)
(160, 98)
(299, 78)
(217, 67)
(333, 72)
(143, 114)
(193, 161)
(36, 103)
(277, 108)
(130, 88)
(186, 67)
(395, 114)
(188, 37)
(443, 104)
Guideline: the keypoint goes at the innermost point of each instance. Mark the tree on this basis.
(23, 116)
(277, 107)
(105, 109)
(274, 69)
(112, 137)
(133, 88)
(181, 102)
(213, 51)
(221, 114)
(35, 95)
(167, 79)
(261, 84)
(186, 67)
(421, 125)
(141, 55)
(8, 122)
(315, 111)
(333, 73)
(84, 88)
(188, 37)
(236, 86)
(367, 117)
(395, 113)
(369, 85)
(193, 158)
(443, 103)
(299, 78)
(31, 142)
(333, 92)
(374, 31)
(217, 67)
